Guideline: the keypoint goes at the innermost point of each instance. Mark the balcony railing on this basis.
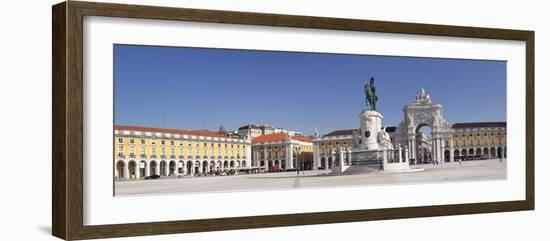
(153, 156)
(120, 155)
(132, 156)
(172, 156)
(162, 156)
(181, 157)
(143, 156)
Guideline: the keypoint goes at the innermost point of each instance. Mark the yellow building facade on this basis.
(324, 145)
(282, 151)
(479, 140)
(140, 152)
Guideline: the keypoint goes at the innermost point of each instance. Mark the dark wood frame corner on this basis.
(67, 123)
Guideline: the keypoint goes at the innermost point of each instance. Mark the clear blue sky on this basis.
(197, 88)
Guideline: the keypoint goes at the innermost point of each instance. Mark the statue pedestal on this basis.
(371, 125)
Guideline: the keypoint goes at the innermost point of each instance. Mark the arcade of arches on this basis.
(135, 169)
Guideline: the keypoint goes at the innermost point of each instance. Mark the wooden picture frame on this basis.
(67, 124)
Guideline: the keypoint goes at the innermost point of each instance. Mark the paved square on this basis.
(447, 172)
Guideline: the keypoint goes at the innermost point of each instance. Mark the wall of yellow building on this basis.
(239, 150)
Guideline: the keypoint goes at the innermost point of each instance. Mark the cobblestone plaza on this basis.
(492, 169)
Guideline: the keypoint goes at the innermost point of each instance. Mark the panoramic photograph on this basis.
(192, 120)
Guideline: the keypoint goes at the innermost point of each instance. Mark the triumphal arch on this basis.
(422, 112)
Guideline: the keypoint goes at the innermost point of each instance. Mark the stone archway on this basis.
(172, 168)
(423, 113)
(163, 168)
(189, 168)
(153, 168)
(121, 173)
(132, 170)
(212, 166)
(205, 167)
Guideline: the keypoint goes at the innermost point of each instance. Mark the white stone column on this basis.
(406, 154)
(291, 159)
(434, 151)
(400, 158)
(441, 150)
(137, 170)
(147, 168)
(125, 171)
(248, 155)
(315, 156)
(167, 168)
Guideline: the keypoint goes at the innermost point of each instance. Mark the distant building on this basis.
(479, 140)
(254, 130)
(424, 143)
(282, 151)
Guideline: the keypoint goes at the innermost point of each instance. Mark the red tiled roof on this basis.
(169, 131)
(303, 138)
(281, 136)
